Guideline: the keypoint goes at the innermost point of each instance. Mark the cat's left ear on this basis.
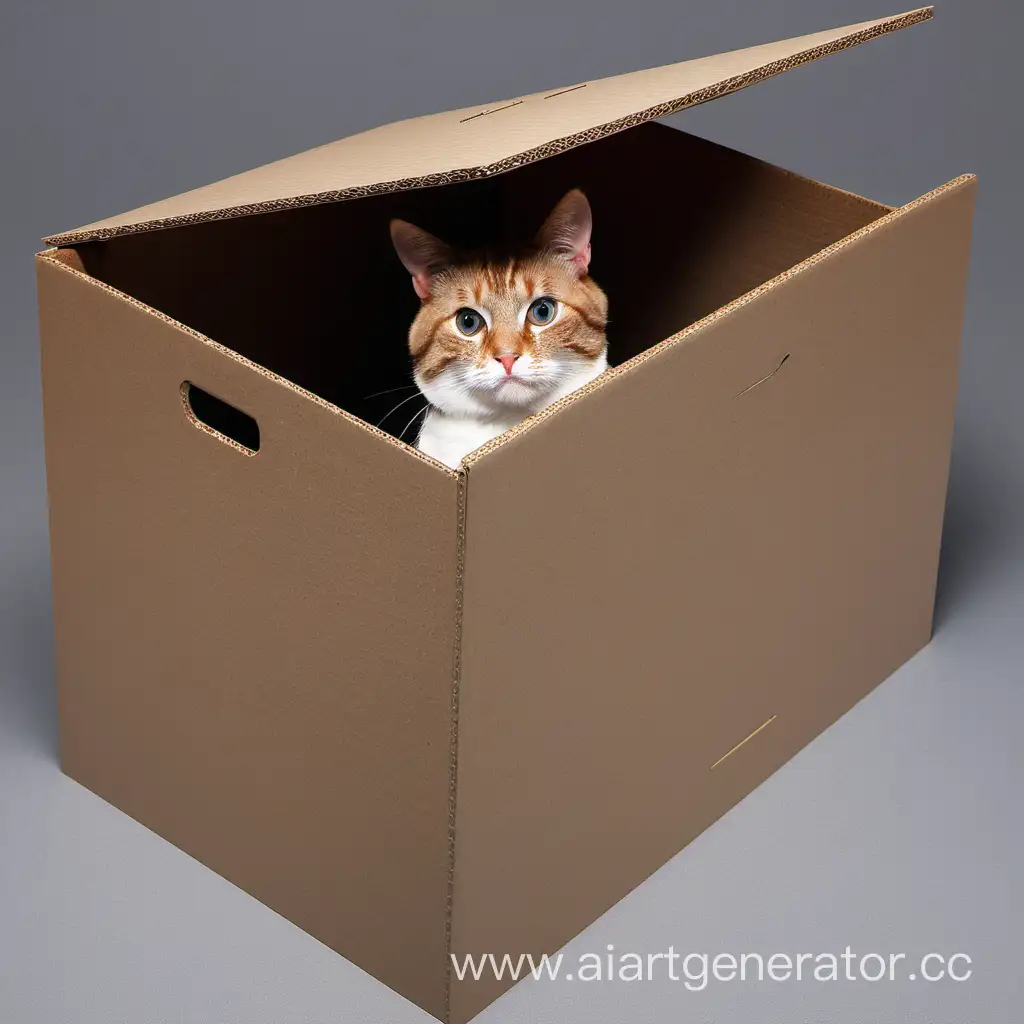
(422, 254)
(566, 232)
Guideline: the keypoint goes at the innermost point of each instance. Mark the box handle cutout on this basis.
(767, 376)
(217, 417)
(729, 753)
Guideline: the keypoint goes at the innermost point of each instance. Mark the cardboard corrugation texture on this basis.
(719, 85)
(701, 585)
(453, 740)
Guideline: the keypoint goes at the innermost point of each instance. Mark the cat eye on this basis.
(469, 322)
(542, 311)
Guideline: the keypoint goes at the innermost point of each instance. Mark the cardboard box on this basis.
(420, 711)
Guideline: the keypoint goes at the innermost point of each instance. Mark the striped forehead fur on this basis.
(502, 289)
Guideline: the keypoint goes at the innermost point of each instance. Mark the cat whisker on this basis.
(419, 412)
(389, 391)
(399, 406)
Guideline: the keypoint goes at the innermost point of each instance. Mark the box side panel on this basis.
(254, 651)
(698, 551)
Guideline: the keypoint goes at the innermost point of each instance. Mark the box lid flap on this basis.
(479, 141)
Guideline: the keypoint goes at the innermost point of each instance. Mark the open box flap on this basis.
(479, 141)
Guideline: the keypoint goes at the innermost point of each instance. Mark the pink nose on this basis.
(507, 362)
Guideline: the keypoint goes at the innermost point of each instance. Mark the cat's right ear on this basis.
(422, 254)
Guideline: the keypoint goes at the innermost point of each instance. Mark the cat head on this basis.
(495, 336)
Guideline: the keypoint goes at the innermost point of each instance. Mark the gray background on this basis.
(897, 830)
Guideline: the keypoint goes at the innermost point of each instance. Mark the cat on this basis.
(498, 340)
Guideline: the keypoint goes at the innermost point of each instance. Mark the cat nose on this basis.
(507, 362)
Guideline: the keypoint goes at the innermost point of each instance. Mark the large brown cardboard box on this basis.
(422, 712)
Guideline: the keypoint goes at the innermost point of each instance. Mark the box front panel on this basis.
(254, 651)
(676, 581)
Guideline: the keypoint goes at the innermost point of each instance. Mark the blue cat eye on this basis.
(469, 322)
(542, 311)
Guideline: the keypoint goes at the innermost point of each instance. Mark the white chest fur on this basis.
(450, 438)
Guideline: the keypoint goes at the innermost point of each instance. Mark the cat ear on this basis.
(422, 254)
(566, 232)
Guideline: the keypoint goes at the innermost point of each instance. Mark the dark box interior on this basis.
(682, 226)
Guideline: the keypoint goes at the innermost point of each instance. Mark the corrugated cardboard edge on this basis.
(688, 333)
(548, 149)
(69, 263)
(453, 769)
